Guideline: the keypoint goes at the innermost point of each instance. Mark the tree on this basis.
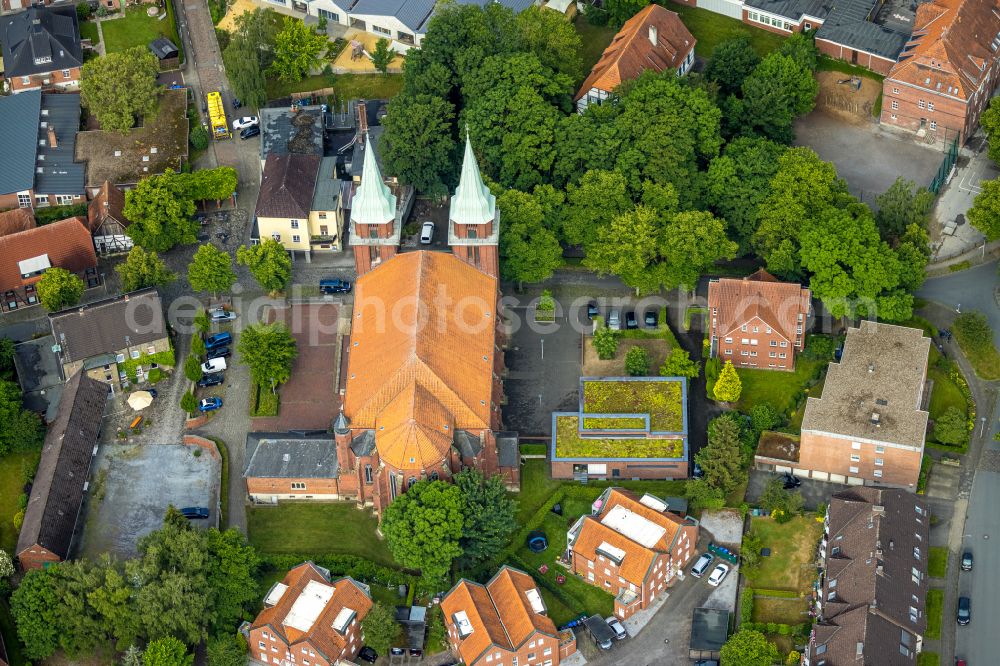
(297, 51)
(160, 214)
(605, 343)
(750, 550)
(35, 605)
(728, 386)
(143, 269)
(382, 56)
(529, 251)
(192, 367)
(417, 145)
(211, 269)
(702, 495)
(749, 648)
(269, 351)
(380, 628)
(973, 330)
(637, 362)
(231, 575)
(952, 427)
(199, 137)
(269, 264)
(620, 11)
(591, 204)
(774, 497)
(167, 651)
(553, 39)
(630, 248)
(6, 358)
(692, 242)
(175, 518)
(245, 72)
(913, 251)
(732, 61)
(423, 527)
(990, 122)
(985, 212)
(59, 289)
(488, 514)
(680, 364)
(22, 430)
(721, 459)
(132, 657)
(227, 650)
(189, 403)
(763, 417)
(778, 90)
(202, 324)
(119, 87)
(801, 47)
(900, 206)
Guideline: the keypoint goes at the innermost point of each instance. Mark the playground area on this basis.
(849, 97)
(355, 58)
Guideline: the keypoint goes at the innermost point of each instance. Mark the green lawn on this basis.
(536, 488)
(928, 659)
(793, 549)
(314, 529)
(137, 29)
(985, 359)
(345, 86)
(595, 39)
(945, 393)
(710, 29)
(12, 474)
(781, 611)
(88, 30)
(935, 609)
(937, 566)
(776, 388)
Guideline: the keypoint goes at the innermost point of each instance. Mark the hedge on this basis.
(343, 565)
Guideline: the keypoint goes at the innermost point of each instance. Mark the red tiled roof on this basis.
(777, 304)
(16, 220)
(632, 51)
(67, 243)
(951, 39)
(109, 202)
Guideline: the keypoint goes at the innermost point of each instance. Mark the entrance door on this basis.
(854, 57)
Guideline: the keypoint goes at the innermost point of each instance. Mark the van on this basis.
(427, 233)
(699, 568)
(218, 340)
(214, 365)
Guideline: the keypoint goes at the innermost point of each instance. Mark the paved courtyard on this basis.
(130, 492)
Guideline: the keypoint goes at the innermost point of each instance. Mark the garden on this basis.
(975, 337)
(136, 28)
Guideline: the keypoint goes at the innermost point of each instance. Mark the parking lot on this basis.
(130, 492)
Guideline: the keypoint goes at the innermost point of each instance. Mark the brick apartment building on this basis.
(64, 469)
(310, 619)
(655, 38)
(41, 48)
(503, 623)
(872, 601)
(631, 547)
(868, 426)
(758, 322)
(946, 75)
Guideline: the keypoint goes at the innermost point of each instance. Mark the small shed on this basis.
(709, 630)
(163, 48)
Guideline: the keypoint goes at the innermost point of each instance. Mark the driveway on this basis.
(867, 156)
(130, 492)
(814, 492)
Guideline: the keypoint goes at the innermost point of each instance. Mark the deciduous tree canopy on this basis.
(120, 87)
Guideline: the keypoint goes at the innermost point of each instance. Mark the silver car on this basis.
(615, 320)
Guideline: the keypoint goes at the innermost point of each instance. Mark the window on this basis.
(547, 652)
(773, 354)
(65, 73)
(892, 116)
(745, 341)
(753, 341)
(385, 31)
(298, 485)
(930, 106)
(856, 446)
(368, 474)
(782, 344)
(895, 91)
(276, 237)
(23, 201)
(820, 649)
(773, 343)
(590, 575)
(135, 353)
(295, 224)
(729, 340)
(781, 355)
(261, 644)
(295, 239)
(42, 199)
(330, 16)
(880, 461)
(743, 328)
(321, 216)
(590, 563)
(855, 458)
(853, 470)
(756, 329)
(922, 104)
(64, 199)
(753, 353)
(879, 448)
(916, 552)
(25, 80)
(933, 125)
(915, 575)
(895, 105)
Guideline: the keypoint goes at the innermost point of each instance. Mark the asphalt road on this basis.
(969, 290)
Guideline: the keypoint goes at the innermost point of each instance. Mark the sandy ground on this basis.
(595, 367)
(843, 100)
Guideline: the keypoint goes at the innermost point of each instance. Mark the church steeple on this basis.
(373, 203)
(473, 202)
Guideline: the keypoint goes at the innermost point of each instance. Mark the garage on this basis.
(855, 481)
(838, 478)
(820, 476)
(782, 469)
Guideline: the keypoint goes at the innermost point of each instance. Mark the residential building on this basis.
(869, 424)
(292, 465)
(872, 594)
(946, 76)
(299, 203)
(625, 428)
(757, 321)
(310, 619)
(41, 48)
(292, 130)
(61, 480)
(114, 340)
(503, 623)
(26, 255)
(107, 222)
(631, 547)
(655, 38)
(39, 141)
(423, 388)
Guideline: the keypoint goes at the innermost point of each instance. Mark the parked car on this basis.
(427, 233)
(334, 286)
(368, 654)
(210, 404)
(615, 320)
(719, 574)
(416, 652)
(152, 392)
(218, 340)
(697, 472)
(630, 320)
(195, 512)
(214, 365)
(616, 626)
(964, 611)
(213, 379)
(790, 481)
(397, 651)
(221, 314)
(601, 632)
(699, 568)
(245, 122)
(967, 561)
(651, 319)
(592, 310)
(250, 133)
(218, 352)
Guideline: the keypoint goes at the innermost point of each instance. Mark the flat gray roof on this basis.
(709, 629)
(327, 190)
(283, 132)
(291, 455)
(875, 391)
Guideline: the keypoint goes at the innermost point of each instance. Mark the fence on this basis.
(950, 157)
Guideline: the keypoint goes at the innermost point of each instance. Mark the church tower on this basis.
(375, 231)
(473, 220)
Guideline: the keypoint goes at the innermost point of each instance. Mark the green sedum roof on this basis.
(662, 400)
(569, 444)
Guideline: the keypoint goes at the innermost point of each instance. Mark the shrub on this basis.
(18, 520)
(605, 343)
(189, 403)
(83, 11)
(974, 328)
(952, 428)
(820, 347)
(728, 386)
(192, 368)
(746, 604)
(764, 417)
(199, 138)
(637, 362)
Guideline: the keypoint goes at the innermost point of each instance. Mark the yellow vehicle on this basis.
(217, 115)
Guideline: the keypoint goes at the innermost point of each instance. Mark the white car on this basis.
(214, 365)
(221, 314)
(719, 574)
(427, 233)
(245, 122)
(616, 626)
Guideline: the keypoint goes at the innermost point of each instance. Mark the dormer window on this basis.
(43, 60)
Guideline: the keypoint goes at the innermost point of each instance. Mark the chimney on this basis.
(362, 118)
(52, 137)
(653, 37)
